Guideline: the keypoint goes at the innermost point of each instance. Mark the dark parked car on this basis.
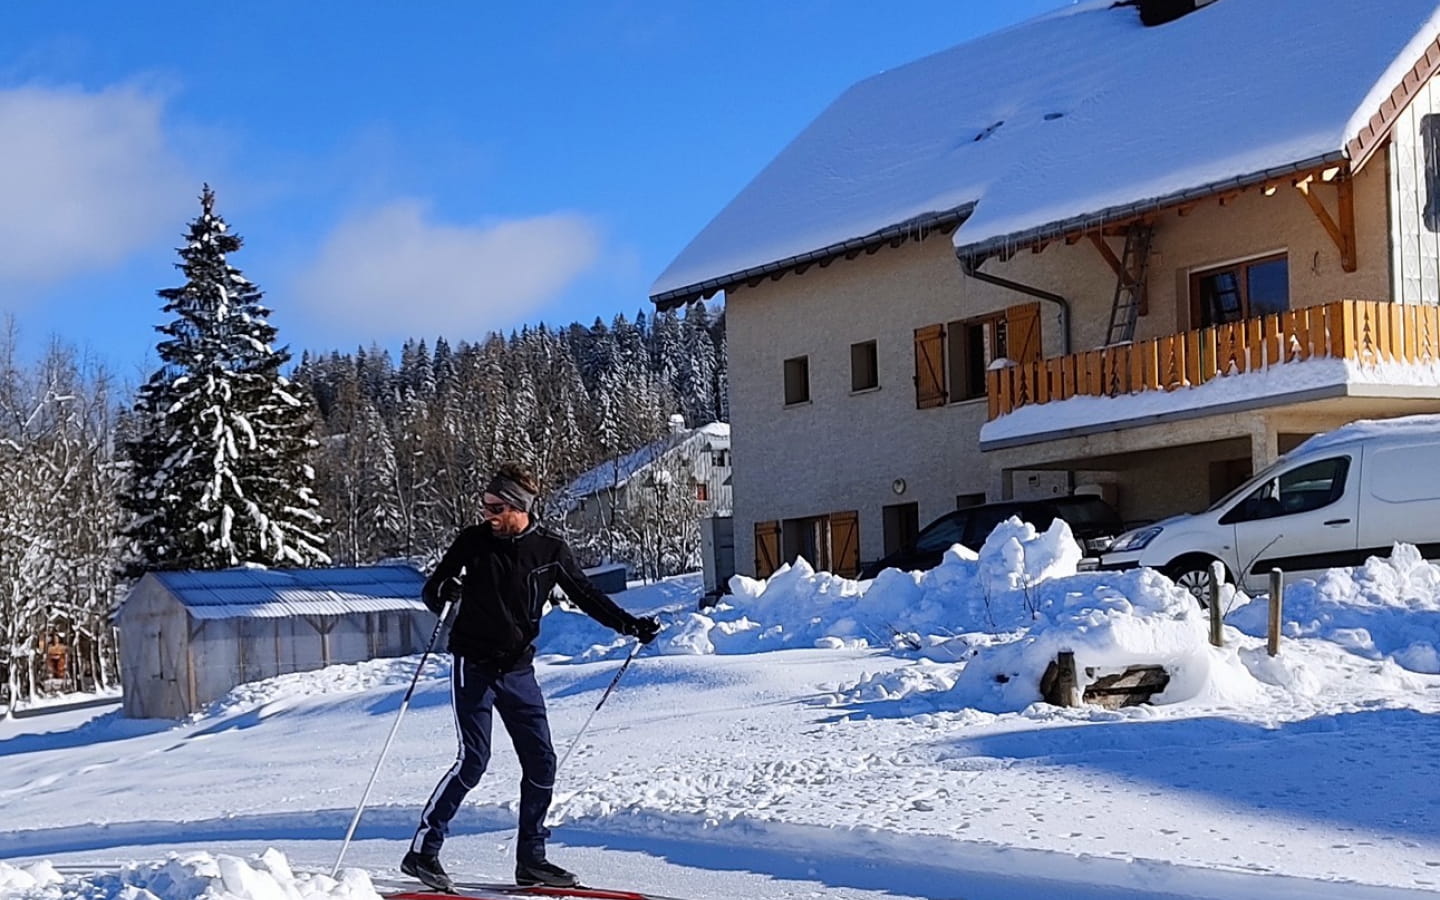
(1092, 521)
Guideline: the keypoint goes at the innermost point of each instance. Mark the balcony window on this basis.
(1250, 289)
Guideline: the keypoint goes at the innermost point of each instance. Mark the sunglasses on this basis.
(496, 509)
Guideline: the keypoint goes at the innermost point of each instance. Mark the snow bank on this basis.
(194, 875)
(1004, 613)
(1389, 608)
(987, 625)
(279, 692)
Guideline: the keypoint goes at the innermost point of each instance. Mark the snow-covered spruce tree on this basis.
(220, 474)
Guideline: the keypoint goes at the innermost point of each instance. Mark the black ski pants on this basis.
(476, 690)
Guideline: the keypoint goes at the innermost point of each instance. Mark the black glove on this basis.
(644, 629)
(451, 591)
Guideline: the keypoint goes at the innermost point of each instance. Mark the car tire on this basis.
(1193, 574)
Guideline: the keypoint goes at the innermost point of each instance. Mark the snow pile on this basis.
(990, 623)
(194, 875)
(993, 590)
(16, 882)
(1385, 609)
(1110, 621)
(280, 691)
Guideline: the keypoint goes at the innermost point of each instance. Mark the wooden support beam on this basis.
(1345, 193)
(1229, 198)
(1343, 232)
(1110, 258)
(1185, 209)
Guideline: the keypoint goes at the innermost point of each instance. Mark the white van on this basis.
(1335, 500)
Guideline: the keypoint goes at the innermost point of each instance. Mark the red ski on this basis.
(471, 890)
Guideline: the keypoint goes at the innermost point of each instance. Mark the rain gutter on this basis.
(971, 267)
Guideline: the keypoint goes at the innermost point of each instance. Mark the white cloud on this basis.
(86, 179)
(392, 272)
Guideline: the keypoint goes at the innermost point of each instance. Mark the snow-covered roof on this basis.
(616, 473)
(1075, 116)
(278, 593)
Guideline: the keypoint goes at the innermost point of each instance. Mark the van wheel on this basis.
(1193, 574)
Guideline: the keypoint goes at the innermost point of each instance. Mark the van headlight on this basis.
(1138, 539)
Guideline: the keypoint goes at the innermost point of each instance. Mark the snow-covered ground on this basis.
(814, 737)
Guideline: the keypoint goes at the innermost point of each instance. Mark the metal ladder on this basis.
(1130, 286)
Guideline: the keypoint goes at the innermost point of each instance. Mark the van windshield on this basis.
(1258, 478)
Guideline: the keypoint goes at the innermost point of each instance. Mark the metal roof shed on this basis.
(187, 638)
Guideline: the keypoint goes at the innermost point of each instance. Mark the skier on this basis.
(511, 563)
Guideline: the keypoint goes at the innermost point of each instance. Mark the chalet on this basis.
(1138, 249)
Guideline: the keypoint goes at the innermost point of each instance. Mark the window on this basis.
(1430, 141)
(964, 500)
(702, 491)
(974, 345)
(864, 366)
(1310, 487)
(720, 458)
(807, 538)
(1244, 290)
(952, 361)
(797, 380)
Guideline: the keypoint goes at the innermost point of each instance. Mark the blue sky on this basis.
(404, 169)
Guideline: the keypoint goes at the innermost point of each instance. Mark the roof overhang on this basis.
(1372, 135)
(916, 228)
(1006, 245)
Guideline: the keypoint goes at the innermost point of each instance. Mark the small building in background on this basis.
(187, 638)
(644, 508)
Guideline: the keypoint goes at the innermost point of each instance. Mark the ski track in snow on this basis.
(839, 770)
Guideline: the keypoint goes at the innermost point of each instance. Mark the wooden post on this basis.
(1277, 604)
(1217, 578)
(1060, 684)
(1069, 686)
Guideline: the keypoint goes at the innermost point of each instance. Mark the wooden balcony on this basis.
(1365, 331)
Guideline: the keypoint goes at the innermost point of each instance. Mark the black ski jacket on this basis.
(506, 583)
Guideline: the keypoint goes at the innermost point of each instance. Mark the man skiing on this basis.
(511, 564)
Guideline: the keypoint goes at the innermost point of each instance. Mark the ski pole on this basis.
(575, 741)
(404, 704)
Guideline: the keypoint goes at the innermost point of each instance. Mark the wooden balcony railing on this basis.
(1364, 330)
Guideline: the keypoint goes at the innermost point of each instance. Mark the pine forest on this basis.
(234, 453)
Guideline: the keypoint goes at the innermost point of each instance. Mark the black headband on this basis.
(511, 492)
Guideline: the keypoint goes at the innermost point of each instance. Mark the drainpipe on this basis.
(972, 268)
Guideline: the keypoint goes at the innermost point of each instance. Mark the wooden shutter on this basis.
(1022, 333)
(929, 366)
(845, 543)
(767, 548)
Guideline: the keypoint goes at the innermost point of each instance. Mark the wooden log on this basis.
(1132, 687)
(1059, 686)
